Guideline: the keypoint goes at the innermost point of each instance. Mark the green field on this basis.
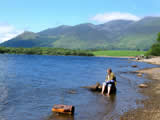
(118, 53)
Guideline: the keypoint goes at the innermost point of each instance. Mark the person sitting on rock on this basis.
(109, 82)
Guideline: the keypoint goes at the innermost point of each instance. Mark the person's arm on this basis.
(106, 78)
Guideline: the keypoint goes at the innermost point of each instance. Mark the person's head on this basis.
(109, 70)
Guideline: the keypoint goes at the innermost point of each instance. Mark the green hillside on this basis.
(117, 34)
(136, 41)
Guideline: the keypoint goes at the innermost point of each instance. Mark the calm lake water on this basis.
(30, 85)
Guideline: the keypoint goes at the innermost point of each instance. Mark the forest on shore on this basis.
(45, 51)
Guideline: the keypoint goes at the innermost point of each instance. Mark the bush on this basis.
(158, 38)
(155, 49)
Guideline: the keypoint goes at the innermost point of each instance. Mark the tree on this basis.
(158, 39)
(155, 49)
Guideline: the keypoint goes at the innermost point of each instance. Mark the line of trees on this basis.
(155, 49)
(45, 51)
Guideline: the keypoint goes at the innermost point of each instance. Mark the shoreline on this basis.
(129, 57)
(154, 60)
(151, 109)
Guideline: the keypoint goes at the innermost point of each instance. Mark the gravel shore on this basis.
(155, 60)
(151, 109)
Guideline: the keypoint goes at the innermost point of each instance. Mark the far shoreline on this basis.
(154, 60)
(71, 52)
(129, 57)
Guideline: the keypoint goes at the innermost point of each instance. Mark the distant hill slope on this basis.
(117, 34)
(140, 34)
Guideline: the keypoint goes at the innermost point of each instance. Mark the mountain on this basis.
(55, 31)
(140, 34)
(117, 34)
(30, 39)
(115, 25)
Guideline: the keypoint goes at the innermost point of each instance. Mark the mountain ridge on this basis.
(116, 34)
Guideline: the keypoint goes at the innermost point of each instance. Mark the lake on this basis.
(31, 84)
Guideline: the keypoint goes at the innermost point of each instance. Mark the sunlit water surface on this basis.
(30, 85)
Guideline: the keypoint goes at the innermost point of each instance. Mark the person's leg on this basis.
(103, 87)
(109, 89)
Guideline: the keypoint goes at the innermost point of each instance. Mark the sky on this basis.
(17, 16)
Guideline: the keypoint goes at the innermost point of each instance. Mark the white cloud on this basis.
(8, 31)
(101, 18)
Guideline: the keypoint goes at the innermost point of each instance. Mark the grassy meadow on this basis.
(118, 53)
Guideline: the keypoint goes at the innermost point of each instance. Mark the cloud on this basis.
(106, 17)
(8, 31)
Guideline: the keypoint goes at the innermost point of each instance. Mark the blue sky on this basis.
(37, 15)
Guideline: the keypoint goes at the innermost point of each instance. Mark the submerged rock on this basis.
(72, 92)
(134, 66)
(143, 85)
(139, 74)
(96, 87)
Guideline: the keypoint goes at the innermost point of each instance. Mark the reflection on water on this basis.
(3, 98)
(112, 98)
(55, 116)
(30, 85)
